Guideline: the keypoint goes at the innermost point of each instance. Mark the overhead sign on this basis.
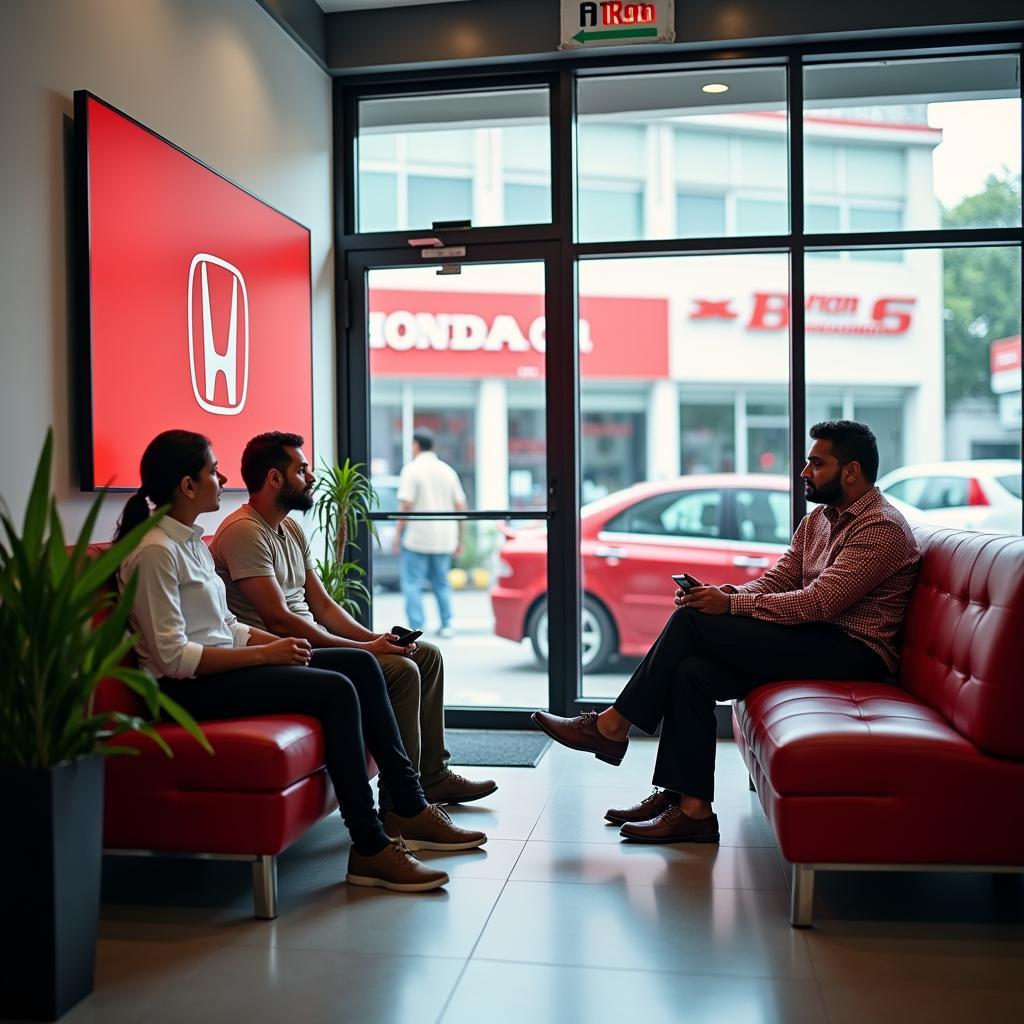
(615, 23)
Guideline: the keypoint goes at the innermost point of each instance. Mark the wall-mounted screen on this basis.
(195, 303)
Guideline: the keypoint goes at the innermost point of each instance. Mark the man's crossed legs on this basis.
(697, 661)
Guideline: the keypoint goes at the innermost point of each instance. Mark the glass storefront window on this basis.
(527, 448)
(707, 436)
(916, 135)
(684, 434)
(464, 356)
(684, 437)
(433, 199)
(451, 156)
(916, 350)
(726, 154)
(700, 216)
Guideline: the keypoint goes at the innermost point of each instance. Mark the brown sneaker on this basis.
(393, 868)
(581, 733)
(648, 808)
(673, 826)
(454, 789)
(431, 829)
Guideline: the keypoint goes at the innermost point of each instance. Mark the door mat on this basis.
(498, 748)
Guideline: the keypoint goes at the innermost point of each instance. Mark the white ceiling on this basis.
(334, 6)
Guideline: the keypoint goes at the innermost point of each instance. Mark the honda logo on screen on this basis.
(218, 360)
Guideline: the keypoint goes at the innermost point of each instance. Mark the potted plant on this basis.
(344, 500)
(54, 652)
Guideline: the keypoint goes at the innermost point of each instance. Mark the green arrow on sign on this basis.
(619, 33)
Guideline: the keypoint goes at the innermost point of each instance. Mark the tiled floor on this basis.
(556, 920)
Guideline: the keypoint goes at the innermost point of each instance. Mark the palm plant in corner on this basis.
(344, 500)
(63, 629)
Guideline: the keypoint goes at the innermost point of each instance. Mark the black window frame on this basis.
(560, 77)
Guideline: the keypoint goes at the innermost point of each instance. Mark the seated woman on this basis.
(218, 668)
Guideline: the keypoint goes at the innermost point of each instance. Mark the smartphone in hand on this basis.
(684, 581)
(406, 636)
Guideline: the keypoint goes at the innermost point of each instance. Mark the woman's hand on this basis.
(289, 651)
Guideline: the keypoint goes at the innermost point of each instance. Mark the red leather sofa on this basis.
(874, 776)
(263, 788)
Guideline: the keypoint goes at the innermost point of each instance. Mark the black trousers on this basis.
(345, 690)
(701, 659)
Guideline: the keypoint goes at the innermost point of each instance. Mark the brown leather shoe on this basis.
(673, 826)
(581, 733)
(393, 868)
(431, 829)
(648, 808)
(454, 789)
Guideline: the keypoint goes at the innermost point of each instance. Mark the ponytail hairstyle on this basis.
(168, 458)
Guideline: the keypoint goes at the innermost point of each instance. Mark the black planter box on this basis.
(51, 862)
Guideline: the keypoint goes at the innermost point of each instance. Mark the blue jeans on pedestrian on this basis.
(416, 567)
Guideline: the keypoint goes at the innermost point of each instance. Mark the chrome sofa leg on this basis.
(264, 886)
(801, 897)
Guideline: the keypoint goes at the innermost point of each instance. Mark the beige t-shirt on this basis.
(430, 485)
(245, 546)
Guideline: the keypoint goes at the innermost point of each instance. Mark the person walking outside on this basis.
(426, 547)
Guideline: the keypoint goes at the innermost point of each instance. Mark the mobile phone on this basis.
(406, 636)
(684, 581)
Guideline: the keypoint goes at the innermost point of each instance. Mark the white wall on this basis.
(217, 77)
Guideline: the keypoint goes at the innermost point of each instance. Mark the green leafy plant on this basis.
(344, 500)
(63, 630)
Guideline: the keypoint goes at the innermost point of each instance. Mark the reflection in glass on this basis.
(684, 439)
(901, 144)
(483, 157)
(926, 350)
(659, 158)
(464, 356)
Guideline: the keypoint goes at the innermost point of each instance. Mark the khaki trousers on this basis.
(416, 688)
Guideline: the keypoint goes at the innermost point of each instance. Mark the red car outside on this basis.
(725, 528)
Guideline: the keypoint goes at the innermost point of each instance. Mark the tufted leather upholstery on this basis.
(870, 773)
(963, 648)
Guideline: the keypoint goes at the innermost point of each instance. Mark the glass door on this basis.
(454, 368)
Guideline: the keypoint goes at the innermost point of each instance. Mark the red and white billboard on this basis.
(499, 335)
(198, 303)
(1005, 363)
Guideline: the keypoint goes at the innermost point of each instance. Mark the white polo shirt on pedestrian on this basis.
(430, 485)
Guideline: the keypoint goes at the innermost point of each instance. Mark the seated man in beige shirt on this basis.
(263, 557)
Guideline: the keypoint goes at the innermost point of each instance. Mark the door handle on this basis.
(746, 562)
(611, 553)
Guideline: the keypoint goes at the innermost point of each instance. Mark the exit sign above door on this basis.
(616, 23)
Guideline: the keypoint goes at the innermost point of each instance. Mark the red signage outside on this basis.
(1005, 364)
(485, 335)
(826, 314)
(1005, 355)
(199, 304)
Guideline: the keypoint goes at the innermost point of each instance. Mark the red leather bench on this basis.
(263, 788)
(874, 776)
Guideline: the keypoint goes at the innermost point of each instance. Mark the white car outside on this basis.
(982, 494)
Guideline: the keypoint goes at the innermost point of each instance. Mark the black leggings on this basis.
(345, 690)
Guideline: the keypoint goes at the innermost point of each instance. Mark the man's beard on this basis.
(296, 499)
(830, 493)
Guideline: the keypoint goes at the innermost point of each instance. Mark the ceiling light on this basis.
(714, 87)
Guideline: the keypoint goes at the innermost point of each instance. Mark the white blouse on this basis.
(180, 606)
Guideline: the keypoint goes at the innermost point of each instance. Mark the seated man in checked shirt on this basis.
(830, 609)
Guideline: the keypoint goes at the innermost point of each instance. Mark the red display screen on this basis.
(196, 304)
